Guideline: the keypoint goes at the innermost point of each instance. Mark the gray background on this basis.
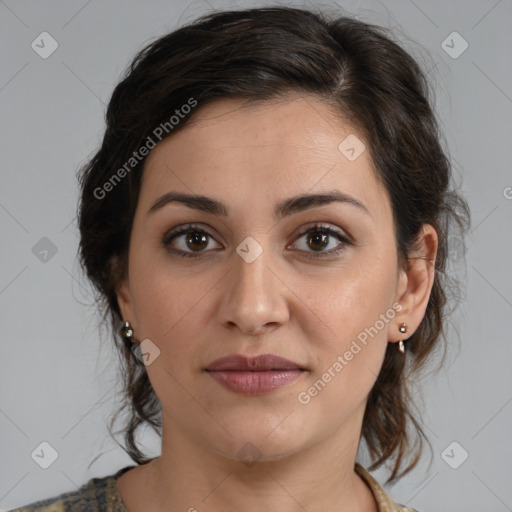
(57, 376)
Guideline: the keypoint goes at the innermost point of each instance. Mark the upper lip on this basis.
(264, 362)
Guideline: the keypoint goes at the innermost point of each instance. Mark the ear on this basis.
(415, 284)
(124, 297)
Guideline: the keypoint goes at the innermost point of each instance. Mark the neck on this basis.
(190, 475)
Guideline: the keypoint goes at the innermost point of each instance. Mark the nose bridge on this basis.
(251, 274)
(252, 299)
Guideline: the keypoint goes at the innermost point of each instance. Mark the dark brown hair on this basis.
(263, 54)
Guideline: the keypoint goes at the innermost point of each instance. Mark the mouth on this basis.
(254, 375)
(264, 362)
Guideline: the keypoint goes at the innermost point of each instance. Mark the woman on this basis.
(266, 224)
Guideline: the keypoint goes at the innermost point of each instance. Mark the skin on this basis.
(307, 310)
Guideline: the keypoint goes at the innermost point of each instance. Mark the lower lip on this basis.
(255, 383)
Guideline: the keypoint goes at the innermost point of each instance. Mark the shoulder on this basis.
(96, 494)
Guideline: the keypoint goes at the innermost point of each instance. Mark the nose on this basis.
(254, 296)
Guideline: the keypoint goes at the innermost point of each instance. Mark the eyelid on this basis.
(344, 241)
(326, 227)
(184, 228)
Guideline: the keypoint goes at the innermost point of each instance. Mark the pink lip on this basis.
(239, 362)
(254, 375)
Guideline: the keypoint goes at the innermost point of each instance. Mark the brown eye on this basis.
(187, 241)
(320, 237)
(317, 241)
(191, 241)
(196, 240)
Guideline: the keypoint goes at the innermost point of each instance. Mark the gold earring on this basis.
(127, 332)
(402, 329)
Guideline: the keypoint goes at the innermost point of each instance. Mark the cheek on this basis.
(168, 310)
(151, 289)
(350, 299)
(353, 315)
(169, 301)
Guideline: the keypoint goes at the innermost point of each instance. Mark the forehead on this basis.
(262, 152)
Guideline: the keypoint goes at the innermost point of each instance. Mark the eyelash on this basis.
(318, 228)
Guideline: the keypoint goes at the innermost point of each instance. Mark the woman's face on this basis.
(261, 275)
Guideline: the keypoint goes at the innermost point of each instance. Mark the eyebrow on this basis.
(285, 208)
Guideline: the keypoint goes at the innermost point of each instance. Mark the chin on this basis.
(254, 441)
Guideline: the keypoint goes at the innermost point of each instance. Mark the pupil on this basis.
(319, 239)
(198, 238)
